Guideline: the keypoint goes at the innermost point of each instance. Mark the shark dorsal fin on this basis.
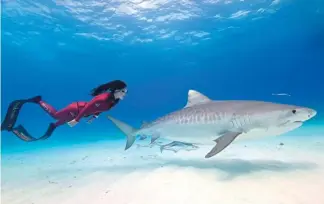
(194, 98)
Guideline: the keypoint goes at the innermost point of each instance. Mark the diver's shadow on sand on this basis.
(238, 167)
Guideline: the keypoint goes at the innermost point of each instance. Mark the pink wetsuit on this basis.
(77, 110)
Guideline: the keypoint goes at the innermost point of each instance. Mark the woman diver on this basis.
(104, 98)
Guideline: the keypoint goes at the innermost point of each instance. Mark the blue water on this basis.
(226, 50)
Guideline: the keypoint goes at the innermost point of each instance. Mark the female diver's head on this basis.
(120, 93)
(117, 87)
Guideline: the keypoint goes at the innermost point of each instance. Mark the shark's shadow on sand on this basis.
(232, 168)
(238, 167)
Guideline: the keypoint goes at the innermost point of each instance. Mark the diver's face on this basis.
(120, 94)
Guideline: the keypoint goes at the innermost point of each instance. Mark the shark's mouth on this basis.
(298, 121)
(291, 122)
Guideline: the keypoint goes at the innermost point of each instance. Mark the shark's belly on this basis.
(202, 134)
(207, 133)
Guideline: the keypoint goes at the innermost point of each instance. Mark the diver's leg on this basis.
(66, 114)
(48, 108)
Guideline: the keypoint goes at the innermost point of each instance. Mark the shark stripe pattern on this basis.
(206, 121)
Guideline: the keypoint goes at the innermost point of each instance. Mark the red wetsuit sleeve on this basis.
(85, 110)
(90, 107)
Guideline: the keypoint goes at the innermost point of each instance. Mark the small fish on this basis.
(142, 137)
(140, 146)
(176, 146)
(154, 137)
(280, 94)
(158, 143)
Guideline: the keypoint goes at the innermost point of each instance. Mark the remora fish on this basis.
(206, 121)
(176, 146)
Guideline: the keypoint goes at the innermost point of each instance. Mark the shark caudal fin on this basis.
(127, 130)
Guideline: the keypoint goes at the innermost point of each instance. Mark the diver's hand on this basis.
(72, 123)
(91, 119)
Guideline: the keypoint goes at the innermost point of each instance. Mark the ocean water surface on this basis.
(268, 50)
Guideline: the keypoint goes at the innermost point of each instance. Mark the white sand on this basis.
(254, 173)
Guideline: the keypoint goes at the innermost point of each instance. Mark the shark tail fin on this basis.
(127, 130)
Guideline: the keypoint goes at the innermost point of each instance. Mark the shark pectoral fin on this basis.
(222, 142)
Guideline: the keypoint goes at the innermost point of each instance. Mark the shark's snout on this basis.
(311, 112)
(304, 114)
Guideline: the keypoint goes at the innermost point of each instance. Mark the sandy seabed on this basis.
(261, 172)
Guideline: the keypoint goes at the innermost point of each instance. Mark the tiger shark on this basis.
(220, 122)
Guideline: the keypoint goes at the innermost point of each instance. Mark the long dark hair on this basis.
(111, 86)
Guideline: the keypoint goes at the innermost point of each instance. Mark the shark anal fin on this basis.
(154, 137)
(222, 142)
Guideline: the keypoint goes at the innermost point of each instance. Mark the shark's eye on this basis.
(294, 111)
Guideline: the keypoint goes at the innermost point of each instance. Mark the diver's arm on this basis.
(87, 109)
(96, 115)
(90, 107)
